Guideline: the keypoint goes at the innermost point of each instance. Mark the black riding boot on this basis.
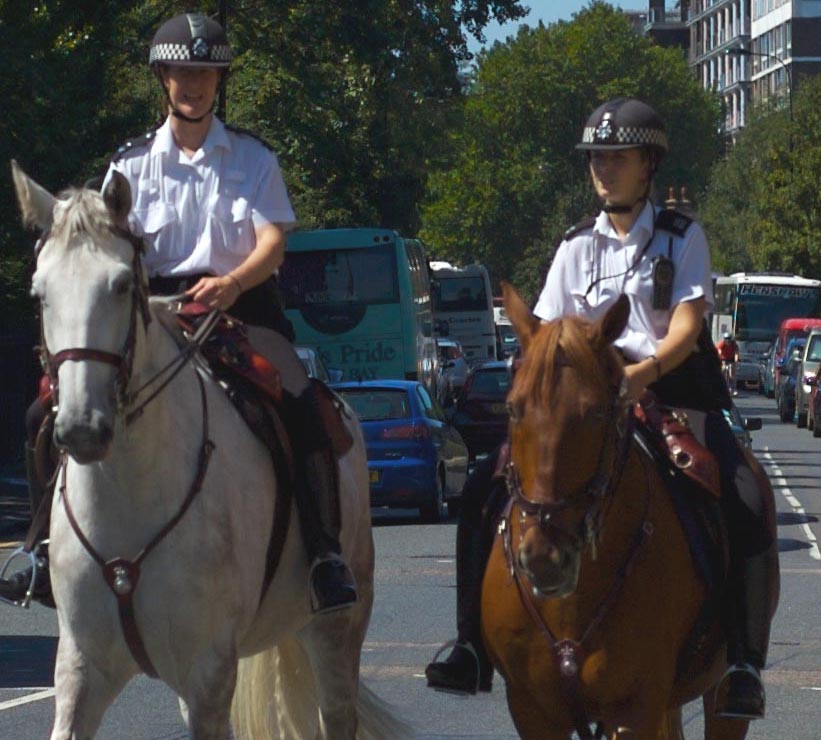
(468, 667)
(332, 583)
(740, 693)
(15, 588)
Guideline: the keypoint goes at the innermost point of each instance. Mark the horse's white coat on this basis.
(197, 600)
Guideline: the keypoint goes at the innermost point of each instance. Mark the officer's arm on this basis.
(685, 325)
(267, 256)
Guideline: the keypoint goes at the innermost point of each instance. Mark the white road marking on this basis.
(781, 481)
(38, 696)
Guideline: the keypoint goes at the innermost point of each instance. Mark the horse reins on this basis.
(600, 488)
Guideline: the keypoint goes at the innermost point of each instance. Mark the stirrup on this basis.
(737, 668)
(31, 556)
(470, 649)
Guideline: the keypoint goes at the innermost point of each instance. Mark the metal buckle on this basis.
(20, 552)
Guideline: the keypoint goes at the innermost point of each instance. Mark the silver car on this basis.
(810, 361)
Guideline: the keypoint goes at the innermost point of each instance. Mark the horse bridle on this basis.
(123, 361)
(599, 487)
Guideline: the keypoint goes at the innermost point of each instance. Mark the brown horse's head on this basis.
(567, 428)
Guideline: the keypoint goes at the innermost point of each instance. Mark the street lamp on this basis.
(749, 53)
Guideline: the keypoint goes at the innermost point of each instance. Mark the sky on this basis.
(548, 11)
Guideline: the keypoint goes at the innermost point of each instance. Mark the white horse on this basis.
(195, 601)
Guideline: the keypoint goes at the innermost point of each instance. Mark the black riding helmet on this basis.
(625, 123)
(189, 40)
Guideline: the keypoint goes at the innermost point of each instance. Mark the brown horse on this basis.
(590, 592)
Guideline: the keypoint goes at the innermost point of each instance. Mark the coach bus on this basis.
(463, 301)
(361, 299)
(751, 307)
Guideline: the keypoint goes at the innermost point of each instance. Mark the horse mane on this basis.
(565, 342)
(80, 211)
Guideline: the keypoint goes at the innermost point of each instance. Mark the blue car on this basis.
(416, 459)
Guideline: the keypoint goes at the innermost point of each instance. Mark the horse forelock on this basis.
(81, 211)
(565, 342)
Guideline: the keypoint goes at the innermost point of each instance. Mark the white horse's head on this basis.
(89, 283)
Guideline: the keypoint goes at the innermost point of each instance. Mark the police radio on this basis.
(663, 273)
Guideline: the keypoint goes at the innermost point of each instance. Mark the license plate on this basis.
(373, 476)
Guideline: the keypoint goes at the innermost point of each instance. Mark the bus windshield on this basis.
(459, 294)
(761, 308)
(340, 276)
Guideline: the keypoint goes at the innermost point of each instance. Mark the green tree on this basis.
(355, 95)
(762, 206)
(515, 181)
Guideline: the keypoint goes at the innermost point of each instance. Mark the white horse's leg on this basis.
(332, 646)
(208, 696)
(83, 693)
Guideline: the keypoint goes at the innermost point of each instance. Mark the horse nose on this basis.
(86, 440)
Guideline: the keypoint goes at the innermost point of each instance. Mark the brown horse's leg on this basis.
(719, 728)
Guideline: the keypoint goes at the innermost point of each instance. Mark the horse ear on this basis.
(524, 322)
(613, 322)
(36, 203)
(117, 198)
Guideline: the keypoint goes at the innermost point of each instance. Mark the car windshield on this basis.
(377, 405)
(490, 383)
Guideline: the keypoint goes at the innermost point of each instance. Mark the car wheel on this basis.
(785, 413)
(432, 512)
(454, 505)
(816, 430)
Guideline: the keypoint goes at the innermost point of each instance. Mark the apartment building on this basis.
(717, 26)
(785, 46)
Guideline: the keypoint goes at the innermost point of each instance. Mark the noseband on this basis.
(124, 361)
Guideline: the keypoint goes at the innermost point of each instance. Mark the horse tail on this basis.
(275, 699)
(377, 719)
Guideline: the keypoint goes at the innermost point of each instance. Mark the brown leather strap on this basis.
(122, 575)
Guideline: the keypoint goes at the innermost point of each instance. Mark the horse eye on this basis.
(122, 284)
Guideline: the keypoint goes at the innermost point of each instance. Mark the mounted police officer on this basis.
(660, 260)
(213, 209)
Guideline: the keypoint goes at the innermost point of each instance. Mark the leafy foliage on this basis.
(515, 181)
(355, 96)
(762, 205)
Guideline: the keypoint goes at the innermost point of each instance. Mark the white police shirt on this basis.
(199, 215)
(594, 267)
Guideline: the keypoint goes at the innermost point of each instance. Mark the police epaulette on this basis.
(576, 228)
(134, 144)
(246, 132)
(673, 221)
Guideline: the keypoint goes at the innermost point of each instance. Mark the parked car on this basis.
(480, 414)
(416, 459)
(796, 342)
(453, 369)
(314, 366)
(787, 378)
(792, 328)
(742, 425)
(507, 343)
(746, 371)
(808, 367)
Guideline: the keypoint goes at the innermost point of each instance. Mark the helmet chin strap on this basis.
(180, 114)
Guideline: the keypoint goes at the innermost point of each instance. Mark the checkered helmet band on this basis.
(218, 55)
(632, 136)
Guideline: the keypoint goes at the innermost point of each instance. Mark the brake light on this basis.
(407, 431)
